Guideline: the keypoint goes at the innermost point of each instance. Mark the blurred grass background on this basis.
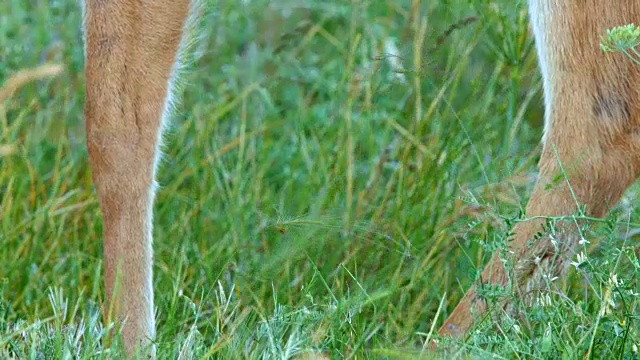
(334, 171)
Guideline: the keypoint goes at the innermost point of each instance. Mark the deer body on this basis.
(131, 52)
(591, 144)
(591, 137)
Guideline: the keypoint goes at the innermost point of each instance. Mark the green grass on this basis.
(313, 196)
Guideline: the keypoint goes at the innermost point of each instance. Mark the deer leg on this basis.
(591, 151)
(131, 49)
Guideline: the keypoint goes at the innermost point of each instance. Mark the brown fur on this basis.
(592, 112)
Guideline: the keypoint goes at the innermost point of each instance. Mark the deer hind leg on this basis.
(131, 49)
(591, 151)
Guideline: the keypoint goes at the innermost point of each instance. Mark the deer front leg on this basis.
(131, 49)
(591, 151)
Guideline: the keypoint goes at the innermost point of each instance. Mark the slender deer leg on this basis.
(131, 49)
(591, 151)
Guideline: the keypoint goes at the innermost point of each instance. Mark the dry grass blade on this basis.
(26, 76)
(15, 82)
(6, 150)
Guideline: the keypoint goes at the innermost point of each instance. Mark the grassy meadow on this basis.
(335, 175)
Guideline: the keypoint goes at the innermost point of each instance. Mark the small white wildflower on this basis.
(583, 241)
(581, 258)
(613, 279)
(553, 240)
